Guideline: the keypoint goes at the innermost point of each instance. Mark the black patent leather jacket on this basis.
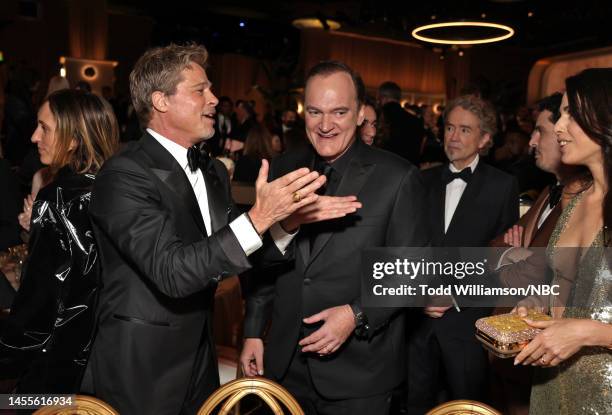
(46, 339)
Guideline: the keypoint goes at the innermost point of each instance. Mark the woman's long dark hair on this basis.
(589, 97)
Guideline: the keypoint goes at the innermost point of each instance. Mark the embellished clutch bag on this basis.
(505, 335)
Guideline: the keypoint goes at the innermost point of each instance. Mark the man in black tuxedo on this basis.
(403, 131)
(333, 354)
(168, 232)
(470, 203)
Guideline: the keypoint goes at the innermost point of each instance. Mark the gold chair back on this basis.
(82, 405)
(270, 392)
(463, 407)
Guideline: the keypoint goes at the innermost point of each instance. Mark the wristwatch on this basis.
(361, 321)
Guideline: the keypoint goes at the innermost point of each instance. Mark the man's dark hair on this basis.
(390, 90)
(326, 68)
(551, 103)
(370, 102)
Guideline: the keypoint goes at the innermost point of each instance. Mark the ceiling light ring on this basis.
(509, 33)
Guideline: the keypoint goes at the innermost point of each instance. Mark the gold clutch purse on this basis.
(505, 335)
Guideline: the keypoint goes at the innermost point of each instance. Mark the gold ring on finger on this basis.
(296, 197)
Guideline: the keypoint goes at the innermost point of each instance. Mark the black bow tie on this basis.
(197, 158)
(465, 175)
(556, 191)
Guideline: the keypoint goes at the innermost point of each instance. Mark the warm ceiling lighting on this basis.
(509, 32)
(314, 23)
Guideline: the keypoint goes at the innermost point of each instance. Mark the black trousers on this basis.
(298, 381)
(452, 364)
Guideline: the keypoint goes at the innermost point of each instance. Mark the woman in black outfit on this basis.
(45, 340)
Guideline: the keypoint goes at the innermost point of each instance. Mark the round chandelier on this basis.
(483, 32)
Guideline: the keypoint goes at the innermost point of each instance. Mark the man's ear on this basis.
(484, 141)
(361, 114)
(159, 101)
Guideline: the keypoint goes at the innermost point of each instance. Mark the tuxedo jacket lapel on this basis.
(531, 226)
(218, 205)
(352, 181)
(173, 176)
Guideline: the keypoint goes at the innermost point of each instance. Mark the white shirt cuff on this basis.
(248, 238)
(281, 238)
(502, 257)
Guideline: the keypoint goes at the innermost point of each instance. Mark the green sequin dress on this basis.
(583, 383)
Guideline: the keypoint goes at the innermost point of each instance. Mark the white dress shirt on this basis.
(241, 226)
(546, 212)
(454, 191)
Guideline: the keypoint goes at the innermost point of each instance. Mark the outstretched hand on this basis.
(323, 208)
(276, 200)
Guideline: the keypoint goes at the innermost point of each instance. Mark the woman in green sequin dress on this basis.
(573, 351)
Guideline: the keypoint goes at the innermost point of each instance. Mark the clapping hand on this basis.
(276, 200)
(323, 208)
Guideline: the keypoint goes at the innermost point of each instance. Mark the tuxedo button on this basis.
(307, 281)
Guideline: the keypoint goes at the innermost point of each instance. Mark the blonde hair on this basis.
(86, 132)
(159, 69)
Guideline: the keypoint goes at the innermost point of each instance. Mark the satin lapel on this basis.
(177, 182)
(530, 228)
(173, 176)
(352, 181)
(218, 205)
(542, 235)
(469, 195)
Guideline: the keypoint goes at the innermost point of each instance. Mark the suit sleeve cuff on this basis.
(281, 238)
(247, 236)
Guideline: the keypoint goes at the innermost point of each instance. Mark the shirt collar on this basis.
(472, 165)
(176, 150)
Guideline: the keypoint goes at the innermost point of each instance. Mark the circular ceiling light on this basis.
(495, 32)
(314, 23)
